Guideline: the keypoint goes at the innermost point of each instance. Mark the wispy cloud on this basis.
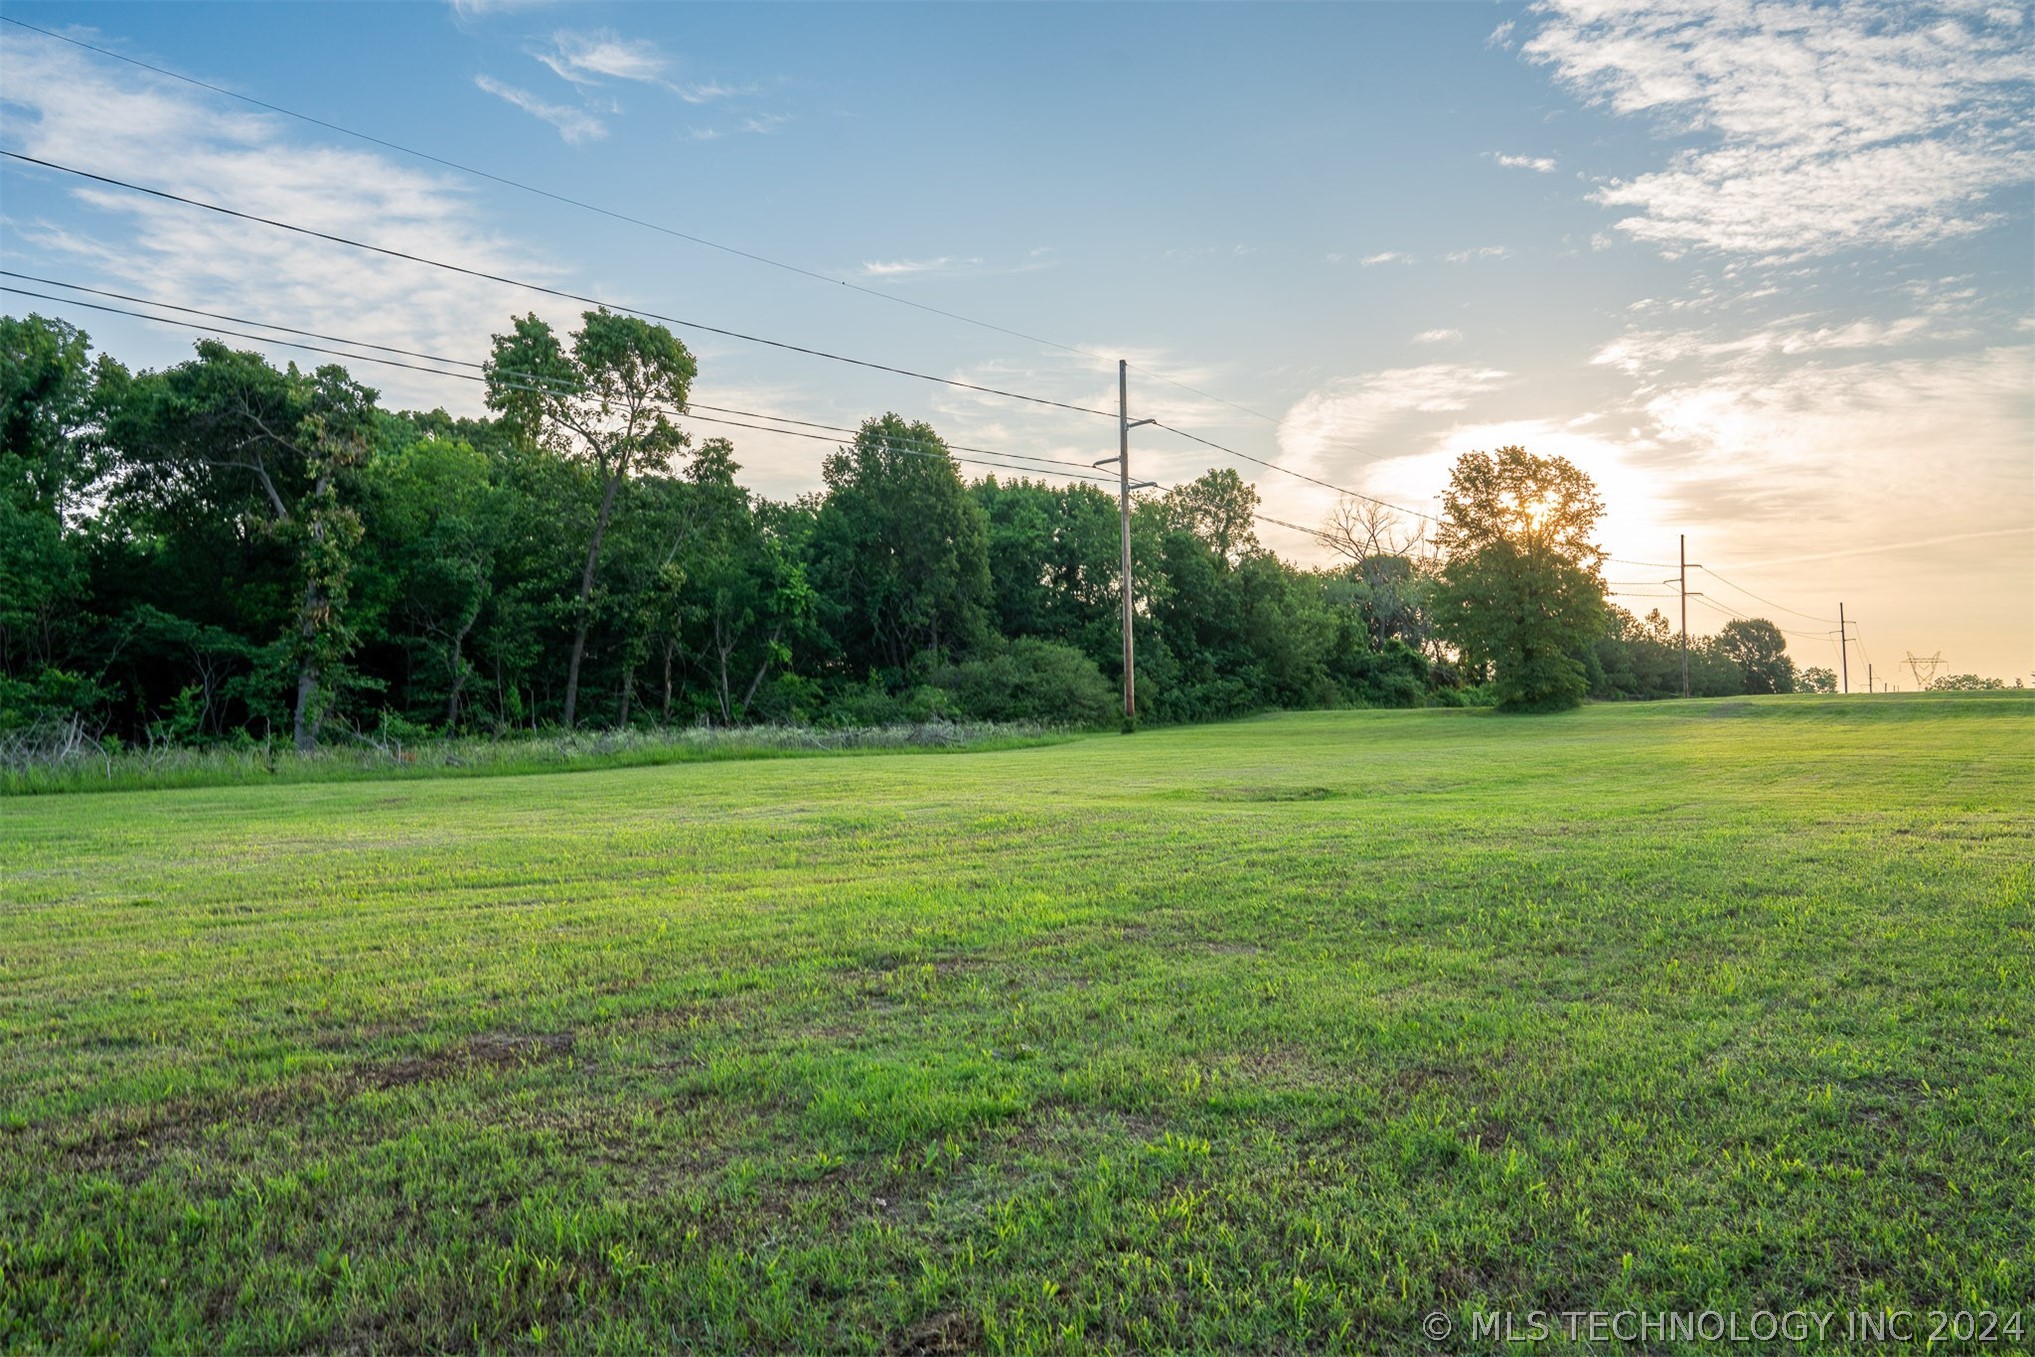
(1333, 428)
(1481, 252)
(476, 9)
(762, 125)
(590, 58)
(1821, 126)
(1753, 444)
(574, 124)
(892, 270)
(1539, 164)
(710, 91)
(1438, 337)
(1385, 257)
(81, 111)
(1648, 353)
(908, 268)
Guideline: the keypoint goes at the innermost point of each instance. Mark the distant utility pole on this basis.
(1124, 425)
(1868, 677)
(1843, 648)
(1682, 582)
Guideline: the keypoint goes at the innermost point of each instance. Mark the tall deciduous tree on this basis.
(900, 551)
(49, 460)
(1757, 647)
(1219, 508)
(1519, 588)
(609, 401)
(227, 439)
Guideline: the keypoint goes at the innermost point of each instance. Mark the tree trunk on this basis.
(628, 690)
(307, 714)
(586, 590)
(721, 652)
(459, 674)
(761, 669)
(670, 645)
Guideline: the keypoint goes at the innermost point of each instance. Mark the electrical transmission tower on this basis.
(1924, 668)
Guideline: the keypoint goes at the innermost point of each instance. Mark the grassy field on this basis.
(1280, 1034)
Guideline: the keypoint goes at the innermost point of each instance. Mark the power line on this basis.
(620, 216)
(549, 291)
(1079, 473)
(1769, 602)
(432, 357)
(1708, 602)
(685, 324)
(1289, 471)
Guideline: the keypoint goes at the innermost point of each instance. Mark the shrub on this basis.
(1031, 680)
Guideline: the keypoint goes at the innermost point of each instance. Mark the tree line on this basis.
(224, 550)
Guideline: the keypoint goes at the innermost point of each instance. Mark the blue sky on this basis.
(1764, 270)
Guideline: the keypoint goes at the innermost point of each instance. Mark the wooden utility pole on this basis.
(1843, 648)
(1684, 579)
(1124, 425)
(1681, 582)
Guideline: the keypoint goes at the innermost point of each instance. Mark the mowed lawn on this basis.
(1276, 1035)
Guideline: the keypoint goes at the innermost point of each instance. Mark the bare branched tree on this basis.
(1362, 529)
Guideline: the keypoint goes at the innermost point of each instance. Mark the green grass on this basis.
(29, 770)
(1271, 1035)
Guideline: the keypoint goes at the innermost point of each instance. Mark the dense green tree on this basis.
(1054, 556)
(435, 516)
(1636, 657)
(1519, 588)
(899, 554)
(1965, 683)
(607, 400)
(50, 459)
(224, 549)
(1759, 650)
(1220, 509)
(1817, 680)
(226, 443)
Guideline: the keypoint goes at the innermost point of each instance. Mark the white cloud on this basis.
(589, 58)
(1820, 126)
(574, 124)
(710, 91)
(75, 109)
(1438, 337)
(1481, 252)
(1387, 257)
(475, 9)
(908, 268)
(1933, 443)
(1539, 164)
(761, 125)
(1648, 353)
(1333, 429)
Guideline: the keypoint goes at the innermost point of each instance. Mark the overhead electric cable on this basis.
(1769, 602)
(596, 208)
(1079, 473)
(550, 291)
(1735, 616)
(1301, 475)
(441, 358)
